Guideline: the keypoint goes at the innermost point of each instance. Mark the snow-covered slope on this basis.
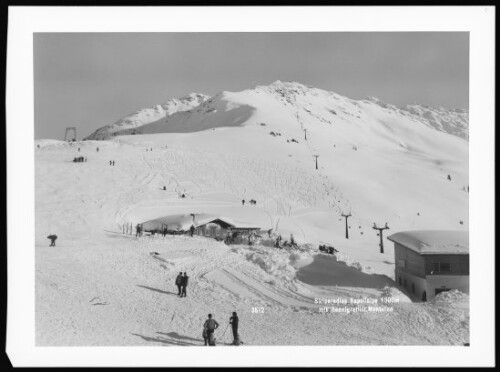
(102, 287)
(133, 123)
(454, 122)
(199, 112)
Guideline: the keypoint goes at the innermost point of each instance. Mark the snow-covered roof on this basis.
(185, 221)
(433, 241)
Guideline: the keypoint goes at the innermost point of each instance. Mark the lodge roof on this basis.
(433, 241)
(185, 221)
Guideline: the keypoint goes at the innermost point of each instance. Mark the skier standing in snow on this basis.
(178, 283)
(234, 325)
(211, 325)
(184, 284)
(53, 239)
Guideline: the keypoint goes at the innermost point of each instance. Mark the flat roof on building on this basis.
(433, 241)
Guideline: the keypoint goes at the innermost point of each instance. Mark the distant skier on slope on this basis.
(53, 239)
(184, 284)
(178, 283)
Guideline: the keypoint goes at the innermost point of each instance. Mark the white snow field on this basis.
(382, 164)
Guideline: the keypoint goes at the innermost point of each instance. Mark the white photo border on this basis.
(24, 21)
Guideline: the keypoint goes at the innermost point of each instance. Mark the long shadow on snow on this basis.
(325, 271)
(157, 290)
(180, 337)
(164, 340)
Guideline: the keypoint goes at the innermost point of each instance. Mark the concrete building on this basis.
(429, 262)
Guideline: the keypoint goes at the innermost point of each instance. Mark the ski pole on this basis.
(225, 332)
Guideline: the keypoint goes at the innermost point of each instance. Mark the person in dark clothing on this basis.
(234, 325)
(184, 284)
(191, 230)
(138, 230)
(243, 202)
(113, 163)
(53, 239)
(205, 335)
(211, 325)
(178, 283)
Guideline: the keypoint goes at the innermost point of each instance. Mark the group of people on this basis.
(79, 159)
(327, 249)
(112, 163)
(181, 282)
(211, 325)
(253, 202)
(286, 243)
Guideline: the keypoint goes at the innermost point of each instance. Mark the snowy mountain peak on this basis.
(145, 116)
(279, 102)
(285, 87)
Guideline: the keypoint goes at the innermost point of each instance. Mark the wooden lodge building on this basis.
(430, 262)
(210, 226)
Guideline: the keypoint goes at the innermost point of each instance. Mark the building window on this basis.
(441, 267)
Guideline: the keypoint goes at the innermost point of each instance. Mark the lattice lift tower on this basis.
(69, 129)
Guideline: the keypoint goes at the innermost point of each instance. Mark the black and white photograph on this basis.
(254, 188)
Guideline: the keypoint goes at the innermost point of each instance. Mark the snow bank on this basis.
(279, 263)
(453, 295)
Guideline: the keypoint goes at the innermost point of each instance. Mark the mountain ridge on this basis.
(192, 112)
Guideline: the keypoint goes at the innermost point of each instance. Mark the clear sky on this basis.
(88, 80)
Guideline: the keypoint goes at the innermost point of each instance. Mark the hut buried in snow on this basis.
(430, 262)
(207, 225)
